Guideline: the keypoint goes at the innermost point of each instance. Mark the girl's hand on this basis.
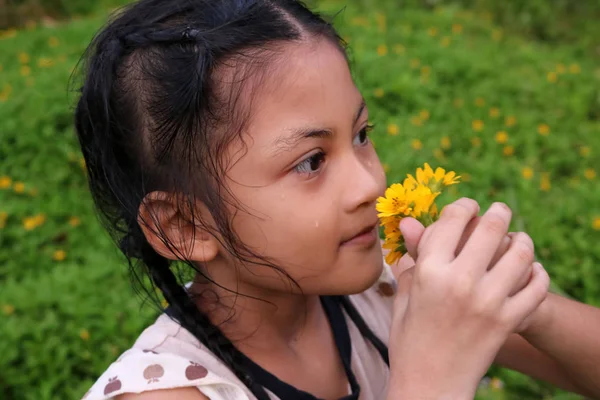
(452, 312)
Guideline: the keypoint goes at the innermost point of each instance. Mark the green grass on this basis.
(64, 321)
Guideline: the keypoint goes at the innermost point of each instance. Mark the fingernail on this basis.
(539, 266)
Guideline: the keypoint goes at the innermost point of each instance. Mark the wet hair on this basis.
(156, 112)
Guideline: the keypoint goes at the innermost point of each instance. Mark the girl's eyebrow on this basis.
(287, 143)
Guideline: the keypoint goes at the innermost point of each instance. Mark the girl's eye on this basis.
(363, 136)
(311, 165)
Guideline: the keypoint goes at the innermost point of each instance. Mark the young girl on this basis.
(226, 138)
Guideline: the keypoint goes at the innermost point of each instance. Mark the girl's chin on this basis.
(359, 278)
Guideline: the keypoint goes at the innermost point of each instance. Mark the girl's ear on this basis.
(174, 235)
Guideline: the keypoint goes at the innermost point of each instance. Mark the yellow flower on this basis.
(527, 172)
(435, 180)
(552, 77)
(10, 33)
(8, 309)
(74, 221)
(574, 68)
(476, 142)
(596, 223)
(560, 68)
(416, 121)
(425, 70)
(5, 182)
(399, 49)
(457, 28)
(433, 31)
(510, 121)
(502, 137)
(584, 151)
(19, 187)
(392, 257)
(508, 150)
(494, 112)
(477, 125)
(424, 115)
(59, 255)
(416, 144)
(496, 384)
(545, 182)
(53, 41)
(543, 129)
(394, 203)
(392, 129)
(23, 58)
(445, 42)
(589, 174)
(458, 103)
(378, 92)
(45, 62)
(445, 143)
(25, 70)
(84, 334)
(3, 218)
(414, 63)
(30, 223)
(480, 102)
(382, 50)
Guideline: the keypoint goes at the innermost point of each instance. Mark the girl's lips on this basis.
(365, 239)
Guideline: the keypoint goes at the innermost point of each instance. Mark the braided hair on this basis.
(151, 114)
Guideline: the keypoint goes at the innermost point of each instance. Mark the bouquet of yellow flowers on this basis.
(415, 198)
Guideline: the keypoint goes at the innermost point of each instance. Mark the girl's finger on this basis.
(483, 244)
(512, 266)
(412, 231)
(446, 232)
(528, 300)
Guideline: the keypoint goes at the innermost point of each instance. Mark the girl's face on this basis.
(308, 177)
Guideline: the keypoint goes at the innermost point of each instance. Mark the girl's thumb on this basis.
(412, 230)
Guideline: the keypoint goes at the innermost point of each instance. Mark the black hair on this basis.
(153, 116)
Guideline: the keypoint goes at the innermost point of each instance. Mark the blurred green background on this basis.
(505, 93)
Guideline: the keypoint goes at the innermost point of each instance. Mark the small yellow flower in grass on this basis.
(589, 174)
(458, 103)
(445, 42)
(425, 70)
(477, 125)
(416, 120)
(382, 50)
(59, 255)
(543, 129)
(476, 141)
(584, 151)
(424, 115)
(596, 223)
(502, 137)
(527, 173)
(457, 28)
(574, 68)
(378, 92)
(416, 144)
(552, 77)
(3, 218)
(25, 70)
(45, 62)
(545, 182)
(74, 221)
(19, 187)
(415, 198)
(433, 31)
(497, 35)
(5, 182)
(8, 309)
(399, 49)
(508, 151)
(23, 58)
(393, 130)
(445, 143)
(494, 112)
(84, 334)
(30, 223)
(414, 63)
(8, 34)
(53, 41)
(560, 68)
(510, 121)
(480, 102)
